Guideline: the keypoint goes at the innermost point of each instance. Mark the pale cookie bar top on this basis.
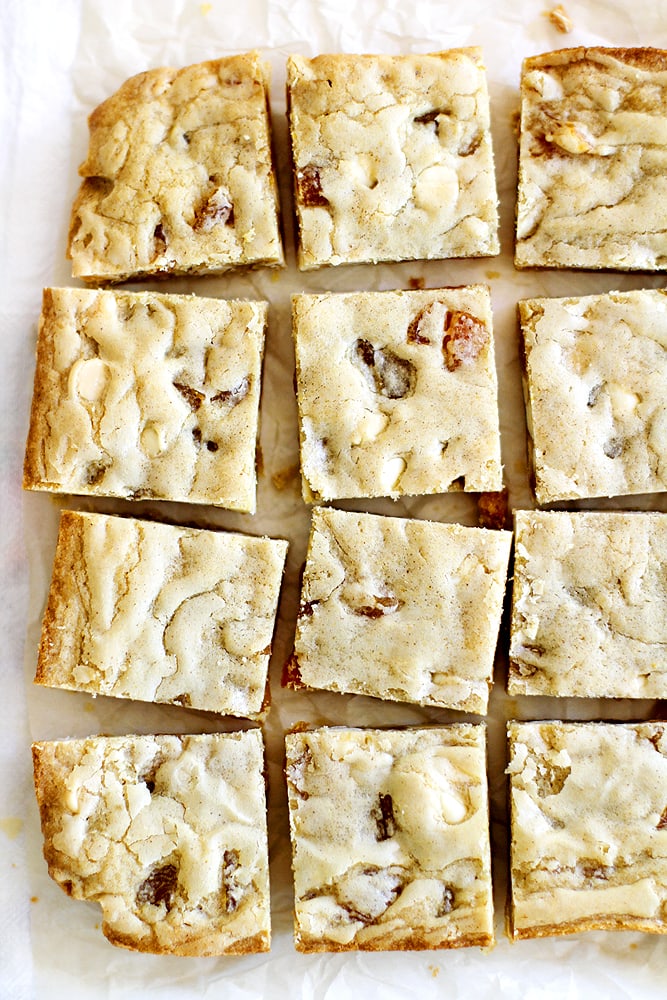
(401, 609)
(166, 833)
(144, 395)
(589, 605)
(595, 380)
(593, 160)
(588, 827)
(161, 613)
(397, 393)
(179, 176)
(390, 838)
(392, 157)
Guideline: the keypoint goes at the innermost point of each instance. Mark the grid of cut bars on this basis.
(594, 378)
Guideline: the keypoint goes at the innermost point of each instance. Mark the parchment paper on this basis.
(59, 61)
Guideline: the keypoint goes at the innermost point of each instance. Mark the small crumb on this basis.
(434, 970)
(560, 19)
(34, 899)
(493, 510)
(283, 477)
(416, 283)
(11, 826)
(491, 275)
(205, 8)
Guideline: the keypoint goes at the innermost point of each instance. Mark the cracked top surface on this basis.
(589, 605)
(589, 827)
(139, 394)
(392, 157)
(166, 833)
(127, 597)
(595, 382)
(401, 609)
(179, 176)
(397, 393)
(390, 837)
(593, 160)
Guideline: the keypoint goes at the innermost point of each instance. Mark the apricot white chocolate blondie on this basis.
(140, 395)
(166, 833)
(390, 838)
(588, 827)
(589, 604)
(397, 393)
(392, 157)
(161, 613)
(593, 160)
(595, 378)
(179, 176)
(402, 609)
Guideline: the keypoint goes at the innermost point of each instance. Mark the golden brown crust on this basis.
(394, 942)
(33, 462)
(601, 923)
(649, 59)
(63, 609)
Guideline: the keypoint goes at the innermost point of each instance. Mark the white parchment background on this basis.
(59, 60)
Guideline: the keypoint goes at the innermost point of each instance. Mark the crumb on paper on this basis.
(491, 275)
(34, 899)
(283, 477)
(493, 509)
(434, 970)
(205, 8)
(560, 19)
(417, 283)
(12, 826)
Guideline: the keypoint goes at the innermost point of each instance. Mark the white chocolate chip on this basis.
(88, 379)
(392, 471)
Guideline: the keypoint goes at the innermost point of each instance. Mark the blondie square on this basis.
(140, 395)
(392, 157)
(401, 609)
(390, 838)
(593, 160)
(589, 605)
(595, 381)
(397, 393)
(179, 176)
(166, 833)
(588, 827)
(161, 613)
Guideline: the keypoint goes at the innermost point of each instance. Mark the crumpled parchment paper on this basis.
(58, 62)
